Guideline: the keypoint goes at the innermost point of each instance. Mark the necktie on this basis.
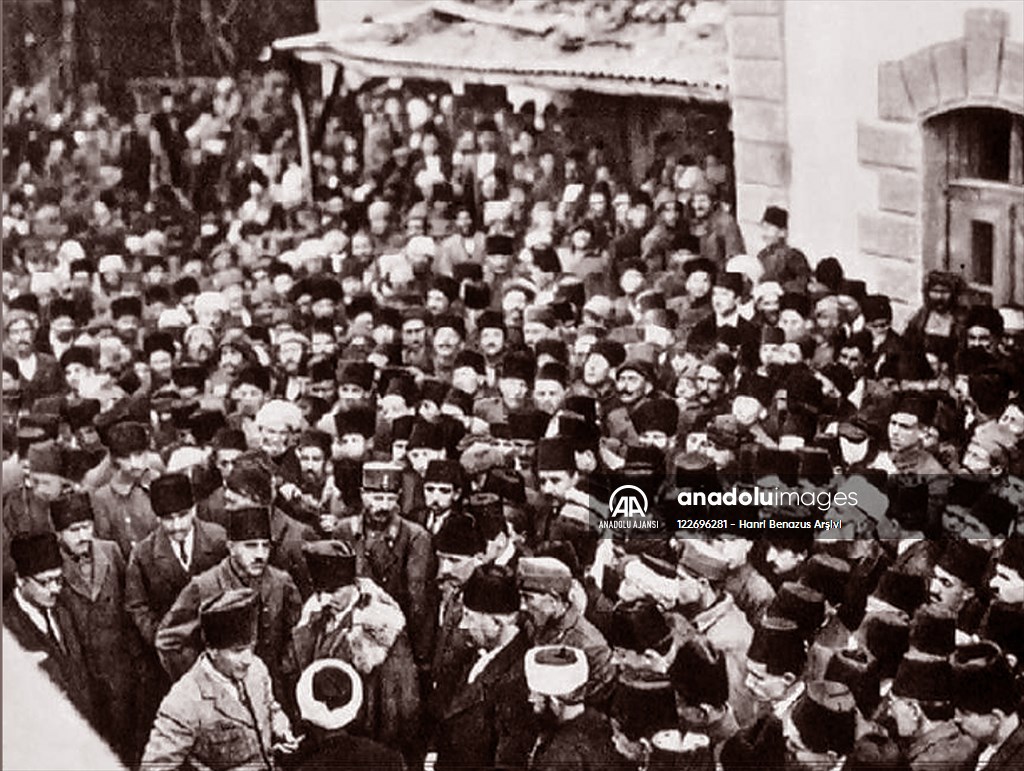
(51, 630)
(243, 696)
(182, 556)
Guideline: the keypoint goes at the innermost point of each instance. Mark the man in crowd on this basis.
(433, 413)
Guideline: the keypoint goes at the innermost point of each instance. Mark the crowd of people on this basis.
(309, 465)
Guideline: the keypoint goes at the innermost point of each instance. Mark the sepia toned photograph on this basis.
(527, 385)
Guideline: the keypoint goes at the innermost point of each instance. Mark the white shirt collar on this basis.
(35, 614)
(486, 657)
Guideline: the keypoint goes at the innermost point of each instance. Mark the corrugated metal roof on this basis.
(672, 59)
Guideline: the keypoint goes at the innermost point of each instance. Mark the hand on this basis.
(288, 743)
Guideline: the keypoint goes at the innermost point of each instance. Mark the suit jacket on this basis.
(48, 380)
(572, 629)
(391, 691)
(66, 668)
(403, 564)
(1010, 755)
(155, 577)
(202, 722)
(580, 744)
(341, 750)
(177, 638)
(123, 512)
(110, 643)
(487, 723)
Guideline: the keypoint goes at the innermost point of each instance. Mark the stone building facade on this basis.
(893, 132)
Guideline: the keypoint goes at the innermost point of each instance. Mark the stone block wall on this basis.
(981, 69)
(758, 95)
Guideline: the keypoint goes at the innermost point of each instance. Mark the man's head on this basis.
(544, 584)
(459, 545)
(229, 623)
(633, 381)
(983, 692)
(278, 423)
(249, 540)
(556, 677)
(958, 574)
(774, 226)
(556, 468)
(129, 445)
(72, 518)
(381, 486)
(173, 503)
(1007, 581)
(775, 660)
(442, 485)
(908, 423)
(313, 452)
(21, 333)
(37, 562)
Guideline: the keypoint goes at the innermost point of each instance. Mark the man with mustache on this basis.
(483, 715)
(223, 712)
(94, 572)
(515, 383)
(124, 513)
(246, 566)
(161, 565)
(352, 619)
(41, 375)
(550, 618)
(394, 552)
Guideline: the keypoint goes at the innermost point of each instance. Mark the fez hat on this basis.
(229, 619)
(357, 420)
(858, 670)
(778, 644)
(459, 535)
(445, 471)
(126, 438)
(828, 575)
(69, 509)
(924, 678)
(699, 674)
(555, 454)
(491, 589)
(639, 626)
(933, 631)
(826, 717)
(358, 373)
(800, 604)
(170, 494)
(35, 553)
(656, 415)
(332, 564)
(777, 216)
(886, 636)
(251, 523)
(965, 559)
(982, 680)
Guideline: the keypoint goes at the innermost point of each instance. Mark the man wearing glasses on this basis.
(41, 622)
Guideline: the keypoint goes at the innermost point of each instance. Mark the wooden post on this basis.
(325, 115)
(304, 152)
(301, 114)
